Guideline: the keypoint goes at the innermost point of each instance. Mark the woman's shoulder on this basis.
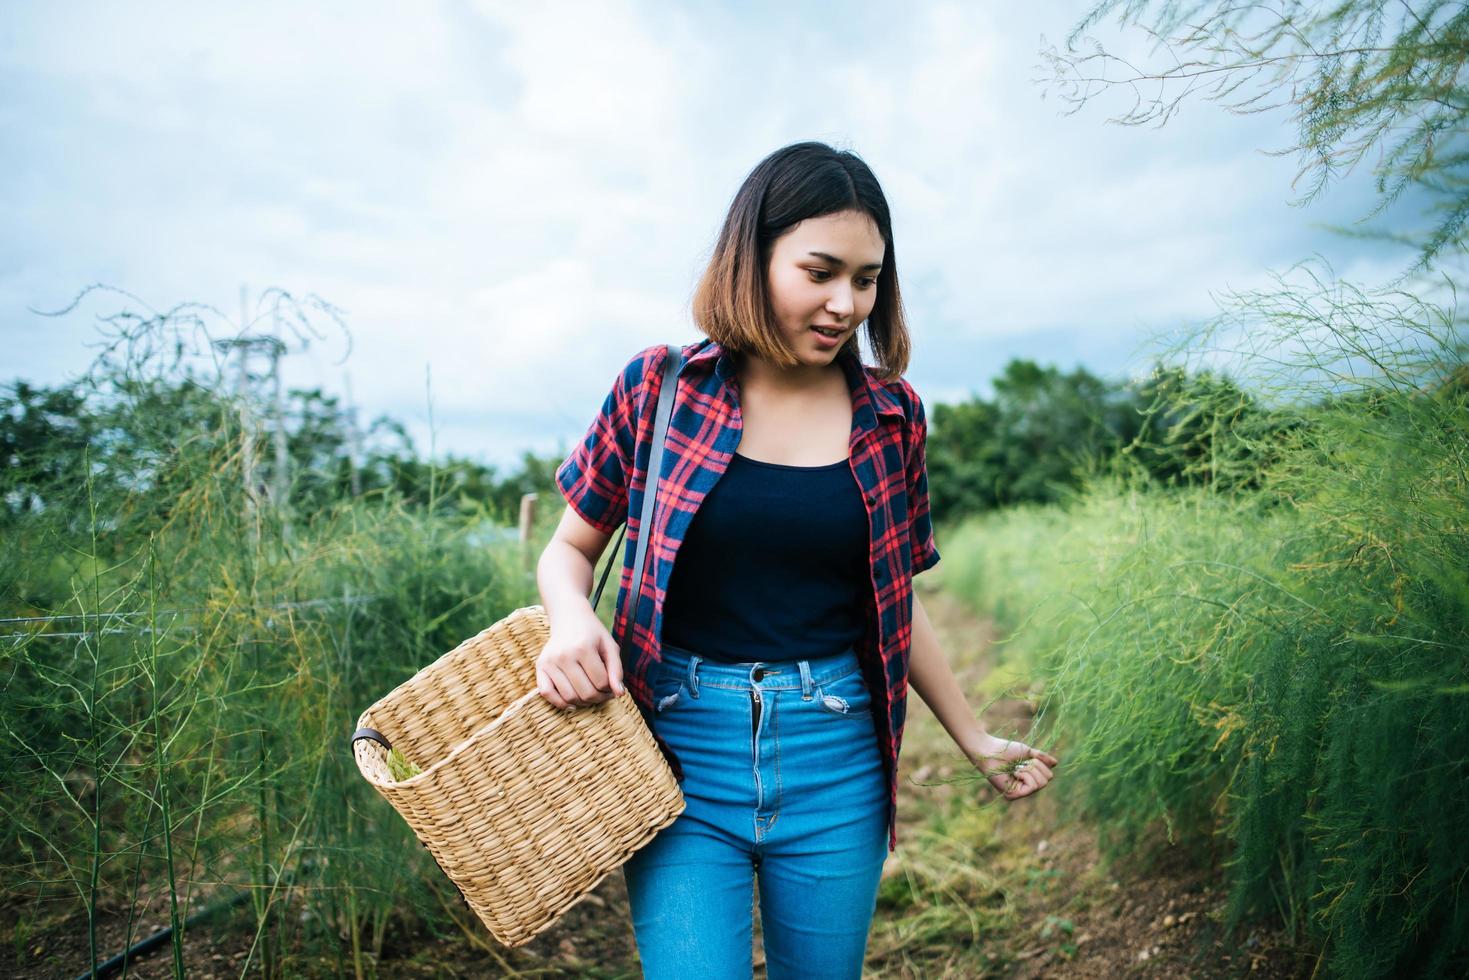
(636, 369)
(641, 373)
(648, 363)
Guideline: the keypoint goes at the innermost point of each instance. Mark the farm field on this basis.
(1252, 670)
(977, 888)
(1198, 468)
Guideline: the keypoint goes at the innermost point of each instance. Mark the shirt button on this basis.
(871, 500)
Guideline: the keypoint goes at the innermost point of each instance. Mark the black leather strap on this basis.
(373, 734)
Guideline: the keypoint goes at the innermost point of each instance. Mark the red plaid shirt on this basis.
(604, 479)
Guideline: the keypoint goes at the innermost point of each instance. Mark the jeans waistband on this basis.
(769, 675)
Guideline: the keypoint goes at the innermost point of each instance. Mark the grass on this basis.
(1281, 670)
(180, 693)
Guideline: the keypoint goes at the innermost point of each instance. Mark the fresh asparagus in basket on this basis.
(399, 766)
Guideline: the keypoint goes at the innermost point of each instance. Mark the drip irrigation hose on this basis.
(137, 949)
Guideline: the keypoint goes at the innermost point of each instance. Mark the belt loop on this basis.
(694, 674)
(805, 681)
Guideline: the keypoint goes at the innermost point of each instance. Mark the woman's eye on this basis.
(821, 275)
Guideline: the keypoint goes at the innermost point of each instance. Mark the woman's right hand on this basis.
(580, 664)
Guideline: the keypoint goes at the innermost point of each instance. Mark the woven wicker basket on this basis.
(526, 807)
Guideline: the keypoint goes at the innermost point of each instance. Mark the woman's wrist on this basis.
(982, 747)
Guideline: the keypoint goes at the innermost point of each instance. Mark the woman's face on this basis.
(823, 273)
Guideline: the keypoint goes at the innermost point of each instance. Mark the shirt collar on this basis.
(868, 399)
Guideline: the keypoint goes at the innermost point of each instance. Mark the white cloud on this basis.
(521, 195)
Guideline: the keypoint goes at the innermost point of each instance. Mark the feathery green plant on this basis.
(1283, 670)
(179, 733)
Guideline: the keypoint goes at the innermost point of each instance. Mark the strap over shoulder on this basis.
(666, 393)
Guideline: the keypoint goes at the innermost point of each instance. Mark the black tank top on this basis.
(773, 567)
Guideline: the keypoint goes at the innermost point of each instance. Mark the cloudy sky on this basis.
(510, 199)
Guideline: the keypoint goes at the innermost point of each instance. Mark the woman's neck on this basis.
(761, 375)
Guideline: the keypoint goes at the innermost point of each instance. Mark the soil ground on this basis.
(1072, 919)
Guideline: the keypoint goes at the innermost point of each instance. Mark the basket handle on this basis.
(373, 734)
(650, 492)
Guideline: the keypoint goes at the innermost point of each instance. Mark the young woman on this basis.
(777, 630)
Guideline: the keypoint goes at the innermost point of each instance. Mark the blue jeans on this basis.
(782, 780)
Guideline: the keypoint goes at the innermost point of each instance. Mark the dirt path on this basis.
(1072, 919)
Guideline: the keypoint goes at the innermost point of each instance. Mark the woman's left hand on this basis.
(1013, 768)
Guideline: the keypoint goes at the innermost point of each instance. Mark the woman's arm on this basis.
(931, 677)
(929, 674)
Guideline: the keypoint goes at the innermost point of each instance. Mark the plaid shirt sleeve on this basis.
(594, 478)
(920, 524)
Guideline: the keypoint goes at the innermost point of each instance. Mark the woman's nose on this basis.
(839, 304)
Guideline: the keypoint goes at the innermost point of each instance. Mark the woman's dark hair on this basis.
(804, 180)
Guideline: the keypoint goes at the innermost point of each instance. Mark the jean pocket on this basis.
(846, 697)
